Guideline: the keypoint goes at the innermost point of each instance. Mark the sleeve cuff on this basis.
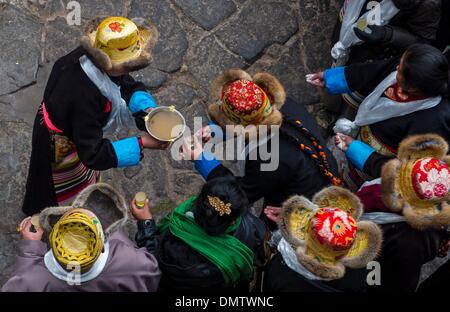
(141, 101)
(144, 224)
(335, 81)
(358, 153)
(128, 152)
(206, 163)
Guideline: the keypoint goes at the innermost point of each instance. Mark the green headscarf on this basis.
(233, 258)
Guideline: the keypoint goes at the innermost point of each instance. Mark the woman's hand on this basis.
(150, 142)
(143, 213)
(206, 134)
(25, 231)
(273, 213)
(191, 148)
(343, 141)
(316, 79)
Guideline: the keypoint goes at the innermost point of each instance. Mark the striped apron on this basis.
(70, 175)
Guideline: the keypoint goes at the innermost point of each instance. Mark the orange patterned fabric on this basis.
(334, 228)
(431, 178)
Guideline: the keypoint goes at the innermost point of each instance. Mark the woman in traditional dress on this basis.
(409, 203)
(83, 256)
(323, 245)
(404, 97)
(210, 242)
(89, 91)
(291, 157)
(376, 30)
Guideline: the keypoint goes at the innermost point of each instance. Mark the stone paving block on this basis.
(151, 76)
(14, 159)
(61, 39)
(207, 13)
(178, 94)
(169, 51)
(289, 69)
(318, 20)
(210, 59)
(20, 34)
(260, 24)
(91, 9)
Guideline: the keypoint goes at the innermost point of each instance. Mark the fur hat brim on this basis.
(149, 36)
(389, 192)
(216, 114)
(80, 202)
(436, 217)
(338, 197)
(420, 146)
(295, 215)
(327, 271)
(367, 246)
(265, 81)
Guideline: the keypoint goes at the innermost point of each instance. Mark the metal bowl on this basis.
(155, 111)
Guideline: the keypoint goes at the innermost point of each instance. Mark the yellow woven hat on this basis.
(326, 234)
(77, 237)
(119, 43)
(417, 184)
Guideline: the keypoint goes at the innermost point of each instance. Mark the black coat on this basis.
(278, 277)
(443, 35)
(404, 251)
(76, 107)
(184, 269)
(297, 174)
(364, 78)
(417, 21)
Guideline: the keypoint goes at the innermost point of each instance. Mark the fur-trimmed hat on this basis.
(77, 234)
(326, 234)
(241, 99)
(417, 184)
(119, 44)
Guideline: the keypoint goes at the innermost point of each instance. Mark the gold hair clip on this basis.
(219, 205)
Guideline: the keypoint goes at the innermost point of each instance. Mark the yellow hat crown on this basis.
(119, 38)
(77, 237)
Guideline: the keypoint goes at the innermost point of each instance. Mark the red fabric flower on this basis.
(115, 27)
(244, 97)
(431, 178)
(335, 228)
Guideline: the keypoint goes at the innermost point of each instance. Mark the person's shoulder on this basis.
(253, 226)
(68, 60)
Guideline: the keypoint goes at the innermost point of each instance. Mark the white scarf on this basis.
(120, 117)
(347, 36)
(376, 108)
(57, 270)
(291, 260)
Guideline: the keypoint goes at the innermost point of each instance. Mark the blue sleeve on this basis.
(128, 152)
(141, 101)
(358, 153)
(335, 81)
(206, 163)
